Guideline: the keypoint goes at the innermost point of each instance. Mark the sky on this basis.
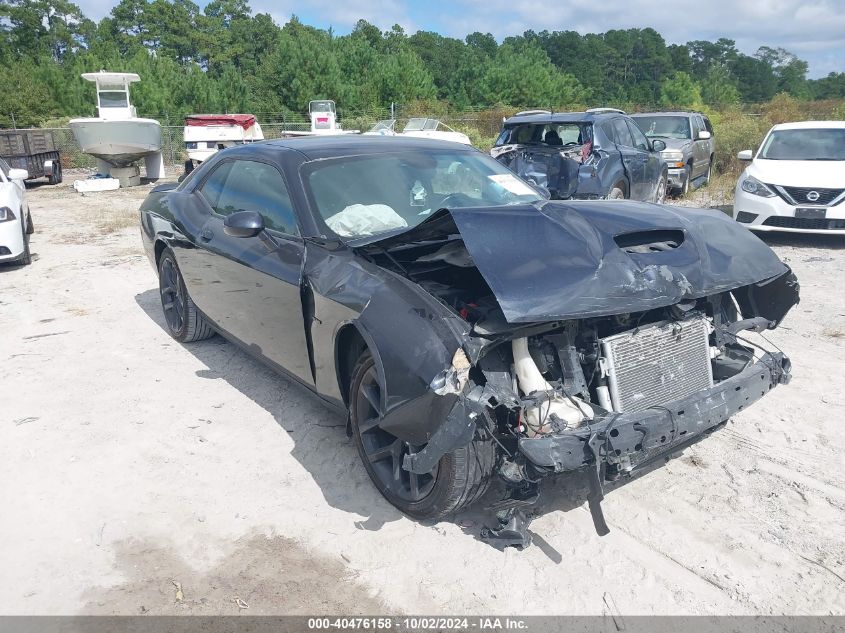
(812, 29)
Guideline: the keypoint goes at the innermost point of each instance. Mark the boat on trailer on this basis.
(117, 137)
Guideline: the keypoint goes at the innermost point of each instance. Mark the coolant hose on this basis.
(573, 411)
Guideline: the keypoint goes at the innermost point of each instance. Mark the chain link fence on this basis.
(482, 125)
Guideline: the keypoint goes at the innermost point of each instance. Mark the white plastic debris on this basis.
(96, 184)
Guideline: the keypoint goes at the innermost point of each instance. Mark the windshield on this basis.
(113, 99)
(419, 125)
(359, 196)
(664, 126)
(387, 124)
(554, 134)
(806, 144)
(321, 106)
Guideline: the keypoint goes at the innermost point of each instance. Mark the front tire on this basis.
(687, 177)
(30, 227)
(26, 257)
(184, 321)
(709, 172)
(458, 480)
(660, 194)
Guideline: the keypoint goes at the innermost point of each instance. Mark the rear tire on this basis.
(617, 192)
(709, 172)
(184, 321)
(458, 480)
(56, 177)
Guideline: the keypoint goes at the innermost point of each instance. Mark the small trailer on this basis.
(32, 150)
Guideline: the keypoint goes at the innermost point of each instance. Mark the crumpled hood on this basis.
(561, 260)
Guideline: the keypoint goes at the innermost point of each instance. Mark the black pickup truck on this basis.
(32, 150)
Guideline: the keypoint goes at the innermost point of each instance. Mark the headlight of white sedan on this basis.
(751, 185)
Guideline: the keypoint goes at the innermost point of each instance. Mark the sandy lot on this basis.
(143, 476)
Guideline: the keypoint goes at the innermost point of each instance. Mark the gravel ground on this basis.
(144, 476)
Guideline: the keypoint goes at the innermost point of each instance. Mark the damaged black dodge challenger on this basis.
(472, 329)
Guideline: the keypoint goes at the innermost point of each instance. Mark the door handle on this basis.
(206, 235)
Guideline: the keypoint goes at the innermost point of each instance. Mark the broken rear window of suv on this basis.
(555, 134)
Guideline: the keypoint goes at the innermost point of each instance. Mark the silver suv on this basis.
(690, 146)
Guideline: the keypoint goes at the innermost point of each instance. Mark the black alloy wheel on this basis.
(382, 452)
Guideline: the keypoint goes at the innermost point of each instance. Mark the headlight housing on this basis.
(673, 157)
(753, 186)
(7, 215)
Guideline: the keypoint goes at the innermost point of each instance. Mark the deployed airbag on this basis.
(365, 219)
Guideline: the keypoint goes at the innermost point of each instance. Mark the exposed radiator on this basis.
(658, 363)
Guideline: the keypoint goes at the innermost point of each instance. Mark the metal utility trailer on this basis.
(32, 150)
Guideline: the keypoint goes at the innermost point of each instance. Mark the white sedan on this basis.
(15, 220)
(796, 182)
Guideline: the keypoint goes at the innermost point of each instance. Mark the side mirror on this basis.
(745, 154)
(657, 145)
(18, 174)
(243, 224)
(703, 135)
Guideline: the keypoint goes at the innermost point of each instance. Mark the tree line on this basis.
(225, 58)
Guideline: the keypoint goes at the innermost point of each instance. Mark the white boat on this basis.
(420, 127)
(117, 137)
(323, 116)
(206, 134)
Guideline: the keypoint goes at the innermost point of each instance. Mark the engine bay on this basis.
(558, 376)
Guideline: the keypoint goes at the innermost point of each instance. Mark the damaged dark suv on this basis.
(596, 154)
(470, 328)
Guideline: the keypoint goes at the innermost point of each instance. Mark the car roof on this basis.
(803, 125)
(675, 113)
(337, 145)
(563, 117)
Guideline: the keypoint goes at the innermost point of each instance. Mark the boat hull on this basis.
(117, 142)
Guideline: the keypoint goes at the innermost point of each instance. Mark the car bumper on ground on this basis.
(627, 440)
(775, 214)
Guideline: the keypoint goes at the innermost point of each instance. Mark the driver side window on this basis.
(640, 141)
(246, 185)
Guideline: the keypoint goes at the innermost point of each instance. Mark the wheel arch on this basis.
(623, 180)
(351, 340)
(158, 249)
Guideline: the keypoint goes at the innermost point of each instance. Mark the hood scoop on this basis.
(570, 260)
(653, 241)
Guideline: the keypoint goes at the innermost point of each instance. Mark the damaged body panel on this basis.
(470, 328)
(584, 155)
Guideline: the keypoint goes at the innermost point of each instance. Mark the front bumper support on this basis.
(626, 440)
